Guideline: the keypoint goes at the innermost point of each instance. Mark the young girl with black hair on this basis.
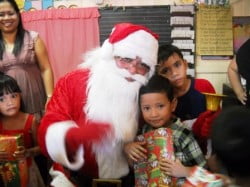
(13, 121)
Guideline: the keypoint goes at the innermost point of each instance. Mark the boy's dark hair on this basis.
(8, 84)
(231, 140)
(20, 32)
(165, 51)
(157, 84)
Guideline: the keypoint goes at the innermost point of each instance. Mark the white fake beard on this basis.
(113, 99)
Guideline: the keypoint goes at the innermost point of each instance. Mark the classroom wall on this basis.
(213, 70)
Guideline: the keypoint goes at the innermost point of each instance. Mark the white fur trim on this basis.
(59, 179)
(111, 159)
(141, 44)
(55, 144)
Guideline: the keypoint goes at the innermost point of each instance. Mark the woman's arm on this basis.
(234, 79)
(45, 67)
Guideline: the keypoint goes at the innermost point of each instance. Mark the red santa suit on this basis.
(94, 110)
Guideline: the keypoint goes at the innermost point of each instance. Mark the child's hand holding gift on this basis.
(20, 153)
(136, 150)
(174, 168)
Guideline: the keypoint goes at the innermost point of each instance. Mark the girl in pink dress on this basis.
(13, 121)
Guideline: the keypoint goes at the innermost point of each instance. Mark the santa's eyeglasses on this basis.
(137, 63)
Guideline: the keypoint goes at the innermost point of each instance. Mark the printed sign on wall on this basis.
(214, 31)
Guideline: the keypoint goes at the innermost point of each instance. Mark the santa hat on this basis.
(131, 41)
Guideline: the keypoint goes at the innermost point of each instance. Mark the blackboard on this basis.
(156, 18)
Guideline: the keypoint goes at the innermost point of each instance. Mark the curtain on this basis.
(67, 33)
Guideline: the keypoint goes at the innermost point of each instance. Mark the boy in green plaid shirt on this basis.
(157, 104)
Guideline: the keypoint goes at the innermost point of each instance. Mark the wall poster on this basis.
(214, 33)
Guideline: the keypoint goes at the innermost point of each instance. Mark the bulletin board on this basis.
(214, 33)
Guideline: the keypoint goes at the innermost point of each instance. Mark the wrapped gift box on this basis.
(13, 172)
(159, 144)
(10, 144)
(202, 178)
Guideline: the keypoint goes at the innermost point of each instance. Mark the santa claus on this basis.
(94, 110)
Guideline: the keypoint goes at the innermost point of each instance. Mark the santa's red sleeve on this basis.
(62, 114)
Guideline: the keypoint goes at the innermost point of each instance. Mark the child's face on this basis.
(157, 109)
(175, 69)
(10, 104)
